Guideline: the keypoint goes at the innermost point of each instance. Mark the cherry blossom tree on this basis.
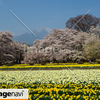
(8, 48)
(92, 47)
(65, 45)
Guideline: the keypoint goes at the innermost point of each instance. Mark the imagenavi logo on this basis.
(15, 94)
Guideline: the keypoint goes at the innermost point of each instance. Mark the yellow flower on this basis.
(78, 97)
(54, 99)
(51, 97)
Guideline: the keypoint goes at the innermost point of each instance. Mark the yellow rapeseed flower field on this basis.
(54, 65)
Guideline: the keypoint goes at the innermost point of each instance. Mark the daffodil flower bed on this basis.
(53, 65)
(51, 76)
(66, 91)
(55, 84)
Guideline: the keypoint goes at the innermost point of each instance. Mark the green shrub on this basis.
(43, 63)
(10, 64)
(98, 61)
(80, 62)
(31, 63)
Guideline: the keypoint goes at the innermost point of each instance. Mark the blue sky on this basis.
(42, 13)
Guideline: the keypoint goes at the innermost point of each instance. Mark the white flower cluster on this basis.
(49, 76)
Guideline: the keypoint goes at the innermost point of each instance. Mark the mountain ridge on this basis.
(29, 38)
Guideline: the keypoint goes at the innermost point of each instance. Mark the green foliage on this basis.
(43, 63)
(10, 64)
(31, 63)
(98, 61)
(80, 62)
